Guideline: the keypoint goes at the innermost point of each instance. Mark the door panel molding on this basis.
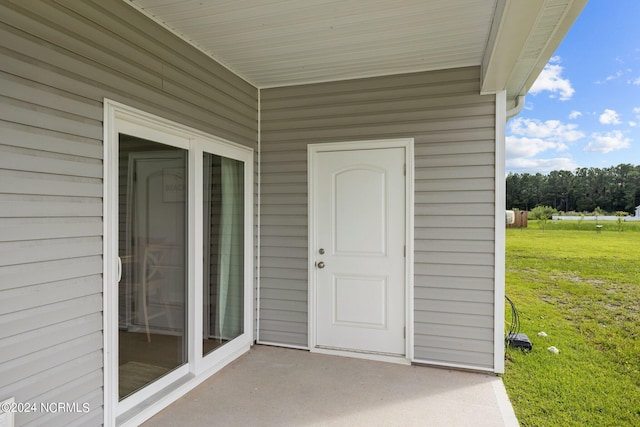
(313, 151)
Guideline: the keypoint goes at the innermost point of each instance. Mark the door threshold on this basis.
(378, 357)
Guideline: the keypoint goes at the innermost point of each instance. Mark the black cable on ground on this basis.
(513, 337)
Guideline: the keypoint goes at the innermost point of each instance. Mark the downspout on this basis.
(516, 108)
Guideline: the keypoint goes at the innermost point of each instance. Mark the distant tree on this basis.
(543, 214)
(613, 189)
(619, 221)
(583, 201)
(558, 189)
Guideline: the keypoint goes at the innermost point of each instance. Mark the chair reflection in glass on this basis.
(161, 278)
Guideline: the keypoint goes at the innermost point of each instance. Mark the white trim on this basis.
(258, 232)
(208, 362)
(499, 251)
(409, 242)
(460, 366)
(109, 250)
(398, 360)
(148, 392)
(195, 241)
(312, 150)
(7, 416)
(119, 118)
(279, 344)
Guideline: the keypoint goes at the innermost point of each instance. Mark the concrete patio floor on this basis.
(272, 386)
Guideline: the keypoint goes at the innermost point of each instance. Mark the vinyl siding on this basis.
(454, 131)
(58, 61)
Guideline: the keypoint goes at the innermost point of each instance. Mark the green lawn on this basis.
(583, 289)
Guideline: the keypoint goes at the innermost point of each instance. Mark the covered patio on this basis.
(271, 386)
(186, 181)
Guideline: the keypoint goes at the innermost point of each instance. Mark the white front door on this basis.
(359, 261)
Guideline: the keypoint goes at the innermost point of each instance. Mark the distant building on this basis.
(638, 211)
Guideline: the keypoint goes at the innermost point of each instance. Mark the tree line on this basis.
(611, 189)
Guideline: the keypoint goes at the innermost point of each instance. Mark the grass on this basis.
(587, 225)
(583, 289)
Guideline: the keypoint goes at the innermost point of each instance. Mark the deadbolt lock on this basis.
(321, 251)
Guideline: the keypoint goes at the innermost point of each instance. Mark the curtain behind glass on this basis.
(223, 250)
(231, 250)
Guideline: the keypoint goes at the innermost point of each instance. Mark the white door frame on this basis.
(133, 410)
(312, 151)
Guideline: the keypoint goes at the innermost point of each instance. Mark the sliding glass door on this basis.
(179, 225)
(152, 248)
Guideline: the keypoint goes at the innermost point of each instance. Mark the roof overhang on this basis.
(289, 42)
(524, 36)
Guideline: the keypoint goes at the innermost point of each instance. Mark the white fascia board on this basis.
(514, 21)
(512, 31)
(570, 15)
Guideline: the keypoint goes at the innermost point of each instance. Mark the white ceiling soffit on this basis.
(521, 44)
(286, 42)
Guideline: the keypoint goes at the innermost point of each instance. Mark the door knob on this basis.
(321, 264)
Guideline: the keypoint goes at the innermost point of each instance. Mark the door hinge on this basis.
(404, 332)
(405, 251)
(404, 169)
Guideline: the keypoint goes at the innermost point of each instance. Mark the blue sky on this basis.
(584, 109)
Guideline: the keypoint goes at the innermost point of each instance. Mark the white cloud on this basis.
(635, 82)
(617, 75)
(552, 130)
(574, 114)
(605, 143)
(550, 79)
(541, 165)
(528, 147)
(529, 138)
(635, 123)
(610, 117)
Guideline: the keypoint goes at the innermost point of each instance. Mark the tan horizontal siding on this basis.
(58, 61)
(17, 135)
(435, 104)
(452, 246)
(30, 342)
(49, 206)
(450, 353)
(454, 132)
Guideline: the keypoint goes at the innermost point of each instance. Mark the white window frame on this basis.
(120, 118)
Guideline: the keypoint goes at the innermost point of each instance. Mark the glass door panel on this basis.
(153, 250)
(223, 251)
